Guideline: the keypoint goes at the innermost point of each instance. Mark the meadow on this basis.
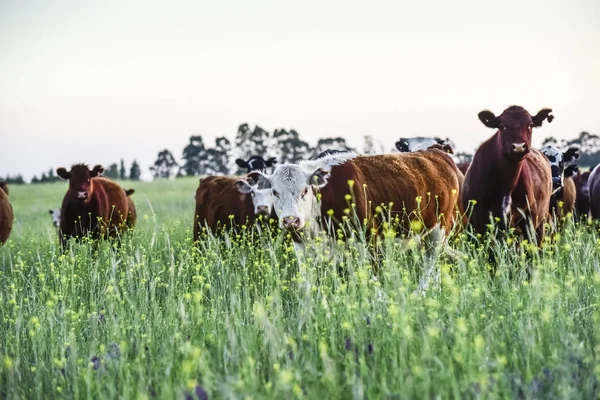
(237, 317)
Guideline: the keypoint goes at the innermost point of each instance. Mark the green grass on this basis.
(239, 319)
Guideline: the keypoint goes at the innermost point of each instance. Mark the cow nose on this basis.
(262, 209)
(291, 222)
(81, 195)
(519, 147)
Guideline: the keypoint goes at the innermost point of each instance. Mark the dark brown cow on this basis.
(6, 214)
(131, 211)
(220, 205)
(92, 205)
(378, 180)
(582, 198)
(508, 176)
(594, 192)
(463, 167)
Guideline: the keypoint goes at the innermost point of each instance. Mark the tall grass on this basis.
(237, 317)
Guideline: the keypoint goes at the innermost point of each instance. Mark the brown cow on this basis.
(582, 198)
(594, 192)
(92, 205)
(508, 179)
(463, 167)
(6, 214)
(377, 180)
(220, 205)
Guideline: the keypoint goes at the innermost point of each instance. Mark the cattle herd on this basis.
(508, 182)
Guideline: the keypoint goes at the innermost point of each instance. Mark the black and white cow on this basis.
(405, 145)
(563, 164)
(55, 215)
(256, 163)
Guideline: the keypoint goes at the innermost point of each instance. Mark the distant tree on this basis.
(112, 171)
(194, 154)
(369, 145)
(43, 179)
(14, 180)
(51, 176)
(135, 172)
(122, 171)
(165, 165)
(589, 145)
(290, 148)
(217, 158)
(337, 143)
(35, 179)
(463, 157)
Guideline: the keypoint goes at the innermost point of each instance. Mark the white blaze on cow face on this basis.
(262, 199)
(293, 188)
(55, 214)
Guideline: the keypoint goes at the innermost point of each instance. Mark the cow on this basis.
(328, 152)
(220, 205)
(131, 219)
(256, 163)
(431, 195)
(463, 167)
(6, 214)
(93, 204)
(563, 166)
(594, 192)
(508, 180)
(582, 197)
(406, 145)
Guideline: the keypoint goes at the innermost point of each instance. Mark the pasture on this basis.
(238, 318)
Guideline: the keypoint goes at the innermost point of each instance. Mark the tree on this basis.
(35, 179)
(463, 157)
(112, 171)
(290, 148)
(135, 172)
(217, 158)
(193, 156)
(369, 146)
(165, 165)
(122, 171)
(337, 143)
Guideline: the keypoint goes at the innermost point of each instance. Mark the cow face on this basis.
(256, 163)
(405, 145)
(55, 214)
(262, 199)
(80, 177)
(294, 186)
(515, 126)
(562, 163)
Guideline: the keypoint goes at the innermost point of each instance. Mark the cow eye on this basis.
(304, 192)
(275, 193)
(88, 179)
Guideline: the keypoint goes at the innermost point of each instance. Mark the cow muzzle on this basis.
(262, 210)
(82, 195)
(520, 148)
(291, 222)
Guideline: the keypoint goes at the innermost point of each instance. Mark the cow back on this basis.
(6, 217)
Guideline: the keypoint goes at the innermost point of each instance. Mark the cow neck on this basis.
(508, 170)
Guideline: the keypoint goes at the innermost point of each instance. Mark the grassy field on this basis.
(238, 318)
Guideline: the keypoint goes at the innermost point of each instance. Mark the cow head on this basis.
(515, 126)
(293, 187)
(55, 214)
(562, 163)
(256, 163)
(262, 198)
(405, 145)
(81, 186)
(4, 187)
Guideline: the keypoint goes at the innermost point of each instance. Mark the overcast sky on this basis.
(95, 81)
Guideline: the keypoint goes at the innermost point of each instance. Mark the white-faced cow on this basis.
(508, 179)
(563, 166)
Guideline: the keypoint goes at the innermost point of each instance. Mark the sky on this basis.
(91, 81)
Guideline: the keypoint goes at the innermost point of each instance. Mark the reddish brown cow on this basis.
(582, 198)
(507, 176)
(562, 201)
(131, 211)
(594, 192)
(92, 205)
(220, 205)
(6, 214)
(463, 167)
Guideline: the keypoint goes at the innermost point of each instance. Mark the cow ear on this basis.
(98, 169)
(320, 177)
(241, 163)
(400, 145)
(256, 178)
(489, 119)
(50, 212)
(571, 154)
(242, 186)
(541, 116)
(62, 172)
(271, 161)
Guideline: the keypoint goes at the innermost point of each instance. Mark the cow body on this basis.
(582, 196)
(463, 167)
(6, 214)
(594, 192)
(509, 180)
(93, 204)
(563, 165)
(422, 185)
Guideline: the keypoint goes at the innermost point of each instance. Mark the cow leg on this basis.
(433, 242)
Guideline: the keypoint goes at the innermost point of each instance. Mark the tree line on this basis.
(200, 158)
